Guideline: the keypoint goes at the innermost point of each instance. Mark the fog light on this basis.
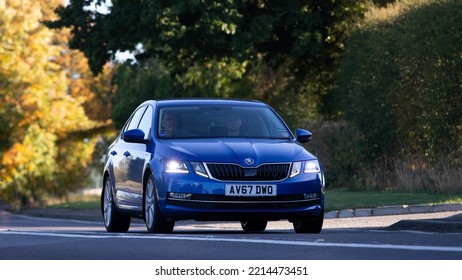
(309, 196)
(179, 195)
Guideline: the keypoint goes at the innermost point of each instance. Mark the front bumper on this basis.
(205, 199)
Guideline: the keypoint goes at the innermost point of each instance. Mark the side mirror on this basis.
(134, 136)
(303, 135)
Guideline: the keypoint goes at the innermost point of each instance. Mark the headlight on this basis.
(296, 168)
(174, 166)
(199, 168)
(309, 166)
(312, 166)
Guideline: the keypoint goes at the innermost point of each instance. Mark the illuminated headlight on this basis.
(296, 168)
(309, 166)
(199, 168)
(312, 166)
(173, 166)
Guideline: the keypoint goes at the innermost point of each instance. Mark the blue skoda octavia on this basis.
(211, 160)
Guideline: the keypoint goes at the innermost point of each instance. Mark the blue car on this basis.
(211, 160)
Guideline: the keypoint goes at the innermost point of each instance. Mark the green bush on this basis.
(400, 86)
(338, 147)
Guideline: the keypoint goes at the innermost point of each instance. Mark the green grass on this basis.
(78, 202)
(335, 199)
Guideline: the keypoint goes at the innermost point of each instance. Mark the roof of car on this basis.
(205, 101)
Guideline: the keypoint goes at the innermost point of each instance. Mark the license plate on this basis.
(250, 190)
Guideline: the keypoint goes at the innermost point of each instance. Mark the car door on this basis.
(125, 163)
(137, 157)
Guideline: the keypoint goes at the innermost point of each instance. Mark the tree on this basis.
(42, 117)
(297, 41)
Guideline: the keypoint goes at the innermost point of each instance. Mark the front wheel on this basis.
(254, 225)
(113, 220)
(309, 225)
(155, 222)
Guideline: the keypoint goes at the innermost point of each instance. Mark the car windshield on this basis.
(219, 122)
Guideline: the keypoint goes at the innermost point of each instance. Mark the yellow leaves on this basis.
(67, 115)
(29, 103)
(16, 155)
(37, 81)
(23, 12)
(75, 154)
(40, 103)
(32, 157)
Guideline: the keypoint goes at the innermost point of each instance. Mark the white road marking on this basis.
(209, 238)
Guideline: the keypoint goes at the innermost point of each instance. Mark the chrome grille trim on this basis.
(266, 172)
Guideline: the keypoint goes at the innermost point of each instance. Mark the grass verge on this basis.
(77, 202)
(337, 199)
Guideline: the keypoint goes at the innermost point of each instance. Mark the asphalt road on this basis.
(391, 237)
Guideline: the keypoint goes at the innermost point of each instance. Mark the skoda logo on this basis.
(249, 161)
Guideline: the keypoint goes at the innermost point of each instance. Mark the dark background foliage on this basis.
(378, 82)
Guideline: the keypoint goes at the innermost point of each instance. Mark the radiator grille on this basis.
(234, 172)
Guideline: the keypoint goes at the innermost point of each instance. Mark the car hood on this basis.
(234, 150)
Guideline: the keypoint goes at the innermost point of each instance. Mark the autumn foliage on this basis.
(45, 101)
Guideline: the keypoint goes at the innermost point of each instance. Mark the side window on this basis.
(135, 119)
(146, 123)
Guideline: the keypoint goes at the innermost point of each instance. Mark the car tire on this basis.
(254, 225)
(309, 225)
(114, 221)
(155, 222)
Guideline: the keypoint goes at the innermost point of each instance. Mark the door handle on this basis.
(127, 154)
